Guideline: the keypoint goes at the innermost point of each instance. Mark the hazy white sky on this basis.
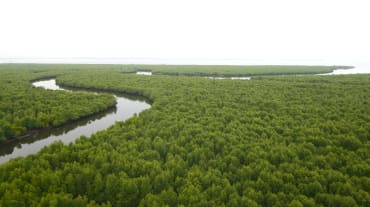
(259, 29)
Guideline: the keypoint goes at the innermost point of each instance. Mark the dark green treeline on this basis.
(271, 141)
(23, 107)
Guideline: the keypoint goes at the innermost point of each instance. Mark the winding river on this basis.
(126, 107)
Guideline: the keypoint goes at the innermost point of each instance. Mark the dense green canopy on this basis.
(23, 107)
(270, 141)
(227, 70)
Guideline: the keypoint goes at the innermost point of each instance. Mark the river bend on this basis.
(124, 109)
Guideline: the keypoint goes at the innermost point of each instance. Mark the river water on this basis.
(362, 65)
(124, 109)
(361, 69)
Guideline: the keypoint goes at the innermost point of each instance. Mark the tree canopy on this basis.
(23, 107)
(270, 141)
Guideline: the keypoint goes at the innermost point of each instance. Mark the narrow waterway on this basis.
(362, 69)
(125, 108)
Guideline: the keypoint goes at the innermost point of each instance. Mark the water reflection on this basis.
(232, 78)
(47, 84)
(240, 78)
(144, 73)
(125, 108)
(361, 69)
(55, 132)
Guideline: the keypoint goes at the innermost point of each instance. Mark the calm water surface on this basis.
(361, 69)
(125, 108)
(144, 73)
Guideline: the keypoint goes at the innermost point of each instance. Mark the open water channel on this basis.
(125, 108)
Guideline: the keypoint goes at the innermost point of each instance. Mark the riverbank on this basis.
(35, 140)
(203, 136)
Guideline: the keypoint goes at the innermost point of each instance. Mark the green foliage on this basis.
(23, 107)
(227, 70)
(270, 141)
